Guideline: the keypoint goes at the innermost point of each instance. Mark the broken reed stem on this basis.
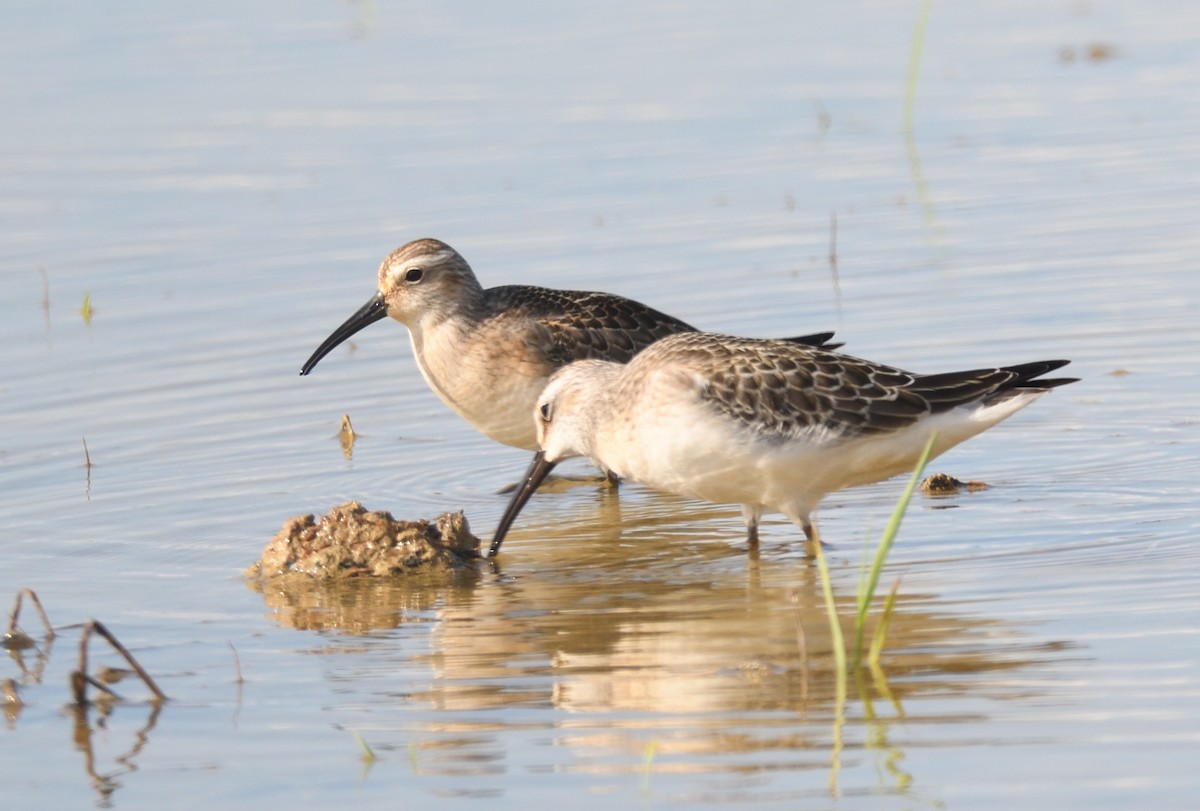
(833, 239)
(78, 688)
(37, 604)
(237, 665)
(833, 262)
(98, 627)
(101, 686)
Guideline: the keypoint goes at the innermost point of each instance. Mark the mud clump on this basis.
(351, 541)
(940, 484)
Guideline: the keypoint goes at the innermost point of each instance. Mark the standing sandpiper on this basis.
(769, 425)
(488, 353)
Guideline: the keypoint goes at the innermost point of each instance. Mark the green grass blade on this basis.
(867, 593)
(885, 620)
(368, 755)
(915, 48)
(840, 670)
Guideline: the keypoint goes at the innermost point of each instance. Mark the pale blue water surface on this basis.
(220, 181)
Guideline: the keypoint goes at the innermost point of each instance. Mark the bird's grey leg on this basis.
(751, 514)
(811, 538)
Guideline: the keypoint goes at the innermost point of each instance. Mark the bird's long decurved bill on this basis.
(538, 470)
(368, 314)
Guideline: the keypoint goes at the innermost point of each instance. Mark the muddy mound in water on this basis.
(941, 484)
(351, 541)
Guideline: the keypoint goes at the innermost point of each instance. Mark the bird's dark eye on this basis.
(413, 275)
(546, 411)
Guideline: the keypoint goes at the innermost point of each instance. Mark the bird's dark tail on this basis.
(1029, 375)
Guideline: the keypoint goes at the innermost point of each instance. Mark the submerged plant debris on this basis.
(943, 483)
(16, 641)
(351, 541)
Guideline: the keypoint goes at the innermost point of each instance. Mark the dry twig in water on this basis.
(15, 636)
(80, 678)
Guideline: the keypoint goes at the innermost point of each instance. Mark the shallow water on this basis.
(221, 182)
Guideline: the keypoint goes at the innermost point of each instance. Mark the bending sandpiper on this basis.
(488, 353)
(766, 424)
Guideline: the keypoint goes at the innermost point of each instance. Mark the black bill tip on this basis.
(374, 310)
(538, 470)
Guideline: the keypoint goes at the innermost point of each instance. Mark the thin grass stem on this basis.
(840, 670)
(867, 593)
